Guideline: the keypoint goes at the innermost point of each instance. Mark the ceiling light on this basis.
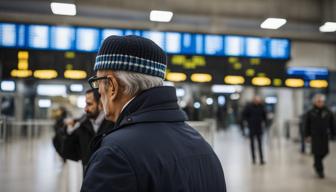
(221, 100)
(234, 96)
(294, 82)
(209, 101)
(180, 92)
(7, 85)
(176, 77)
(75, 74)
(328, 27)
(226, 88)
(197, 105)
(51, 90)
(63, 8)
(161, 16)
(76, 88)
(44, 103)
(273, 23)
(318, 83)
(261, 81)
(271, 100)
(201, 77)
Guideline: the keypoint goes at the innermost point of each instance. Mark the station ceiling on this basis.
(304, 17)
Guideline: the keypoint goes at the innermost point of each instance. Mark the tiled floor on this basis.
(33, 166)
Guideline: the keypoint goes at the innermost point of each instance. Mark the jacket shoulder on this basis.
(100, 176)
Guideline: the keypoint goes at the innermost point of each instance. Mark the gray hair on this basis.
(319, 96)
(133, 83)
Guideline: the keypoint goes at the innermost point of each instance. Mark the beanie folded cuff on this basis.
(129, 63)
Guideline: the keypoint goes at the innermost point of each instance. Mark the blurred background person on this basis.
(59, 114)
(80, 132)
(255, 115)
(319, 126)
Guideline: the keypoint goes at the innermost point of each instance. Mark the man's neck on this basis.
(121, 106)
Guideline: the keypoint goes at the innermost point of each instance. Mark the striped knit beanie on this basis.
(131, 53)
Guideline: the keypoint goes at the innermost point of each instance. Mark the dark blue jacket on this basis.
(152, 149)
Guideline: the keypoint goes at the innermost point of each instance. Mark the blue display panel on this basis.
(255, 47)
(156, 36)
(133, 32)
(108, 32)
(38, 36)
(62, 38)
(279, 48)
(87, 39)
(234, 45)
(308, 73)
(21, 37)
(192, 44)
(8, 35)
(214, 45)
(173, 42)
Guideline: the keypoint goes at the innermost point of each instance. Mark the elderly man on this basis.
(319, 126)
(151, 148)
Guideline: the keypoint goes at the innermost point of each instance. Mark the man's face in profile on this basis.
(91, 108)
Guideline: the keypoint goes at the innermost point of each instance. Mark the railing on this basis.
(11, 128)
(3, 128)
(292, 129)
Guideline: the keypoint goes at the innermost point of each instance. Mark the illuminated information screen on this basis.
(88, 39)
(156, 36)
(8, 35)
(234, 45)
(38, 36)
(62, 38)
(308, 73)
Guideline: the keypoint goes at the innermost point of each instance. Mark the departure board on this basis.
(38, 37)
(156, 36)
(255, 47)
(234, 45)
(108, 32)
(214, 45)
(279, 48)
(173, 42)
(220, 67)
(308, 73)
(62, 38)
(8, 35)
(88, 39)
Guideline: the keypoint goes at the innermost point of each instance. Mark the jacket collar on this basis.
(157, 104)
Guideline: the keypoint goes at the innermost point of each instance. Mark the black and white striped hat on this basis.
(131, 53)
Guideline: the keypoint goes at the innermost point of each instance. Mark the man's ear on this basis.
(114, 88)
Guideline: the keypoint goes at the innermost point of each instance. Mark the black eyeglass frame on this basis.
(94, 79)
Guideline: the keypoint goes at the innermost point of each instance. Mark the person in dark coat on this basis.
(255, 116)
(319, 126)
(151, 148)
(59, 128)
(76, 145)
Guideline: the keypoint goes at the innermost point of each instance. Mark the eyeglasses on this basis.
(94, 81)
